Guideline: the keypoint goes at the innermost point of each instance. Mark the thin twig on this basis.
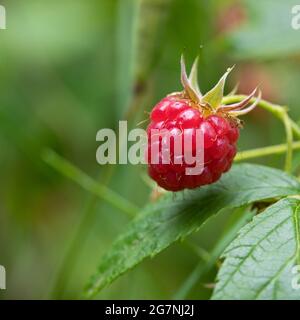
(69, 170)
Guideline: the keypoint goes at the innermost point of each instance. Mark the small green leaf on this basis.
(188, 87)
(161, 224)
(193, 77)
(259, 262)
(215, 95)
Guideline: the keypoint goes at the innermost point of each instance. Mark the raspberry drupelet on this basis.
(182, 114)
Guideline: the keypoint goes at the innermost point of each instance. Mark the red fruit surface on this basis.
(177, 115)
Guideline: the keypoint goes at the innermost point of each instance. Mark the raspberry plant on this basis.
(261, 250)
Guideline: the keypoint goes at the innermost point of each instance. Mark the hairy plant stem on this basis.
(69, 170)
(281, 113)
(289, 142)
(295, 128)
(265, 151)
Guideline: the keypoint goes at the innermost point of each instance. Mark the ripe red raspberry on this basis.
(181, 114)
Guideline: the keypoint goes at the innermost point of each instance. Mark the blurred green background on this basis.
(71, 67)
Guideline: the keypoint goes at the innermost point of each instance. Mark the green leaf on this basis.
(259, 262)
(176, 216)
(215, 95)
(193, 77)
(241, 216)
(186, 83)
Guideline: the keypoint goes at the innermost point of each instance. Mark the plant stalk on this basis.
(69, 170)
(265, 151)
(289, 142)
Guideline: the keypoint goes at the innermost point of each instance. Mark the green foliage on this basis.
(238, 218)
(70, 68)
(259, 262)
(215, 95)
(169, 220)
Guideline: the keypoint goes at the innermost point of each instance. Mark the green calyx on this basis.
(213, 98)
